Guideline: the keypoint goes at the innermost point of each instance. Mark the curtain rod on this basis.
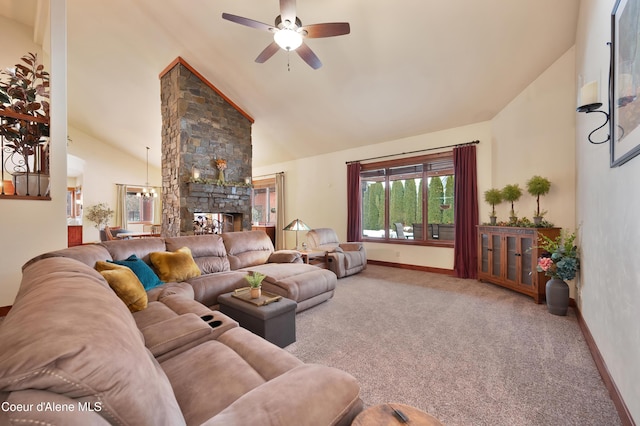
(415, 152)
(270, 174)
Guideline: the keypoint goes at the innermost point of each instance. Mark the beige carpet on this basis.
(469, 353)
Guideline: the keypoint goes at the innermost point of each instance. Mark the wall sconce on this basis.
(590, 102)
(195, 173)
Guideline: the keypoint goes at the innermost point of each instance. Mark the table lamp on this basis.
(297, 225)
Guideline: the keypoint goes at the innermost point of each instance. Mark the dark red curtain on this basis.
(466, 212)
(354, 202)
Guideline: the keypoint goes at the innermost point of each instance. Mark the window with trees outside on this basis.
(141, 205)
(409, 200)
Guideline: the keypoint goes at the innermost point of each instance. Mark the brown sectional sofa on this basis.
(72, 353)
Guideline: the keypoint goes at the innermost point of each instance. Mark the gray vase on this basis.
(557, 293)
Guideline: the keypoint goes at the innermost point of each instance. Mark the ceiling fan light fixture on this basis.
(288, 39)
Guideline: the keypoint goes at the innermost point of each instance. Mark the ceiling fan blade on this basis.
(248, 22)
(268, 52)
(308, 56)
(330, 29)
(288, 10)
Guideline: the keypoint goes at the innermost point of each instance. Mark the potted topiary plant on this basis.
(538, 186)
(512, 193)
(255, 282)
(493, 196)
(24, 109)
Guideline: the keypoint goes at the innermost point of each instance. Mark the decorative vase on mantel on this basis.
(557, 294)
(221, 177)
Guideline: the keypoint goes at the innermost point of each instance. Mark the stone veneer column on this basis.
(199, 125)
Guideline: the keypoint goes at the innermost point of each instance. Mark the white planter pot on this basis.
(37, 184)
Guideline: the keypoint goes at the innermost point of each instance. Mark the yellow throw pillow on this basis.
(125, 284)
(174, 266)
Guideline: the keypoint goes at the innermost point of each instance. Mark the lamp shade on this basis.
(297, 225)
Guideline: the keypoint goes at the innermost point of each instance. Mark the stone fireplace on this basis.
(199, 126)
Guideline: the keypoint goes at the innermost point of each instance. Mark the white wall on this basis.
(534, 134)
(28, 228)
(608, 206)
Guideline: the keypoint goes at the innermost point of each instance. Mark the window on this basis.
(141, 205)
(410, 200)
(263, 202)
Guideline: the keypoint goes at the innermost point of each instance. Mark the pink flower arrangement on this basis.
(545, 263)
(221, 164)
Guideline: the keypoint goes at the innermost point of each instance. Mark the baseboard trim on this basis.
(4, 310)
(442, 271)
(614, 393)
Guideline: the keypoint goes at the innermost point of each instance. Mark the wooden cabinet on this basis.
(269, 229)
(74, 235)
(508, 257)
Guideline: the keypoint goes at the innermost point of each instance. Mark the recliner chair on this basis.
(344, 258)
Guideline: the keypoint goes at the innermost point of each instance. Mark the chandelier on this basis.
(147, 191)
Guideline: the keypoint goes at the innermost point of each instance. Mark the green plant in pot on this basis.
(494, 197)
(24, 107)
(255, 283)
(560, 261)
(538, 186)
(512, 193)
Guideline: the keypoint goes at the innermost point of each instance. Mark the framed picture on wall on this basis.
(625, 81)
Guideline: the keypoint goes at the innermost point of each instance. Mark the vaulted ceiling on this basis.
(408, 67)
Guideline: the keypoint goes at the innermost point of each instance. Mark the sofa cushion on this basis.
(248, 248)
(125, 284)
(208, 251)
(141, 247)
(310, 395)
(88, 254)
(68, 333)
(236, 363)
(174, 266)
(145, 274)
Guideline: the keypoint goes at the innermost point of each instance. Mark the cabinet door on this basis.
(527, 265)
(485, 249)
(496, 256)
(511, 261)
(519, 261)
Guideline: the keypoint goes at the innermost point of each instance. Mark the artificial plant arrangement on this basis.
(255, 283)
(24, 107)
(512, 193)
(100, 214)
(560, 259)
(493, 196)
(538, 186)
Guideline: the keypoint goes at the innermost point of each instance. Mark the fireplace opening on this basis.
(216, 223)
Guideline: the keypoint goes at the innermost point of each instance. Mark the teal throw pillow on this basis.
(145, 274)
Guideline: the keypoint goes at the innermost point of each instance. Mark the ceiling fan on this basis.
(289, 34)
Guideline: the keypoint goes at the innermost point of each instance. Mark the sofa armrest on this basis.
(351, 246)
(325, 394)
(285, 256)
(171, 335)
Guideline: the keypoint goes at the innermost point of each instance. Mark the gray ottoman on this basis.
(276, 321)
